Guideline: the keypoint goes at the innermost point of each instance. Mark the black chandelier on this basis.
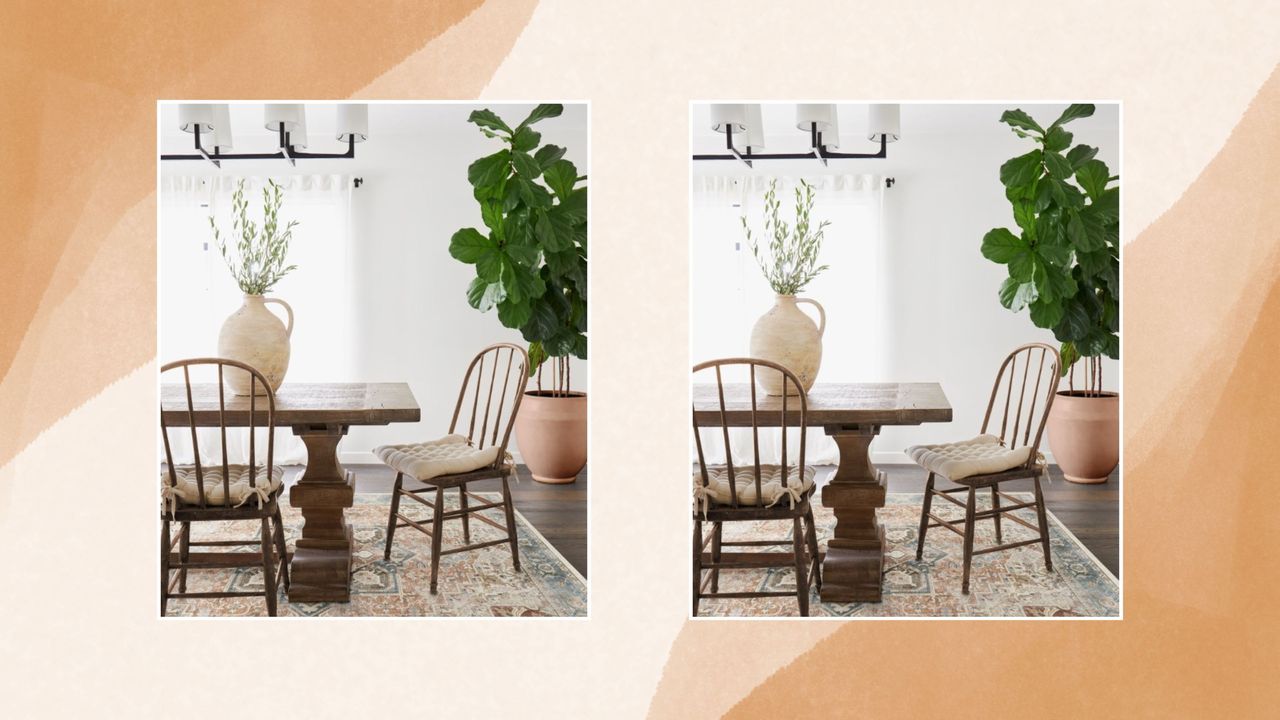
(289, 121)
(819, 120)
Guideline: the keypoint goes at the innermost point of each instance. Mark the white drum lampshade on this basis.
(755, 128)
(883, 120)
(193, 115)
(729, 116)
(353, 122)
(222, 126)
(823, 115)
(277, 114)
(298, 136)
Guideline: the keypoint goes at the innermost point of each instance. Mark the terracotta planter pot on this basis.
(552, 435)
(789, 337)
(256, 337)
(1084, 435)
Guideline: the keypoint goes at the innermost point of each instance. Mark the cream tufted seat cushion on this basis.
(981, 455)
(449, 455)
(187, 490)
(716, 491)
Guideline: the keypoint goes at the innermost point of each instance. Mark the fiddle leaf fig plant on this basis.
(531, 256)
(1063, 251)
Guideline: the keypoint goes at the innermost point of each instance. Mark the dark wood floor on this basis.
(559, 512)
(1091, 512)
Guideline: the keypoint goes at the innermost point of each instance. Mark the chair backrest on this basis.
(786, 405)
(256, 379)
(1022, 413)
(503, 367)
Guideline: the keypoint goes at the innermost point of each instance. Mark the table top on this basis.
(296, 404)
(828, 404)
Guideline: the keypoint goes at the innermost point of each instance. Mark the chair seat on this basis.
(982, 455)
(716, 492)
(449, 455)
(187, 490)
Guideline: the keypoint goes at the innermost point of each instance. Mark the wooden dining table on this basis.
(320, 414)
(852, 414)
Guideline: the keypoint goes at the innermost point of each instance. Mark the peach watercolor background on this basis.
(77, 347)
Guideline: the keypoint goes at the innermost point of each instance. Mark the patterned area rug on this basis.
(1010, 583)
(478, 583)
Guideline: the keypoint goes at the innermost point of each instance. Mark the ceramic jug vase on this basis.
(255, 336)
(789, 337)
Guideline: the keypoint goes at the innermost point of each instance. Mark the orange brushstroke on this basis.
(77, 279)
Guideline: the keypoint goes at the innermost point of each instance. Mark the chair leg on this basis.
(717, 537)
(184, 554)
(391, 521)
(1041, 515)
(969, 510)
(437, 534)
(466, 517)
(995, 505)
(164, 566)
(813, 548)
(924, 517)
(282, 548)
(802, 578)
(697, 564)
(508, 508)
(268, 568)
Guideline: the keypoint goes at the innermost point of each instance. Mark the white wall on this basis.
(944, 320)
(410, 319)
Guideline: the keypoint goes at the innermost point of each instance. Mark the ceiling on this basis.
(917, 119)
(385, 120)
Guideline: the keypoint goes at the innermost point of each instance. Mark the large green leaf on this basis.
(1053, 282)
(491, 213)
(1075, 324)
(533, 194)
(490, 169)
(1016, 295)
(1022, 170)
(553, 236)
(548, 154)
(525, 165)
(1020, 119)
(561, 176)
(537, 356)
(522, 283)
(574, 207)
(514, 314)
(544, 323)
(1092, 177)
(1080, 155)
(1045, 313)
(469, 246)
(542, 112)
(1095, 233)
(1057, 165)
(487, 119)
(525, 140)
(1106, 208)
(1068, 356)
(483, 296)
(1057, 140)
(1073, 112)
(1002, 246)
(1024, 214)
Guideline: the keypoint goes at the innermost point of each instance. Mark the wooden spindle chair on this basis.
(1022, 417)
(751, 494)
(222, 492)
(459, 459)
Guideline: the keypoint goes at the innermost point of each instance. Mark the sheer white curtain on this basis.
(729, 292)
(197, 292)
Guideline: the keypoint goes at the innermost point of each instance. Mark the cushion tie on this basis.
(793, 493)
(701, 502)
(261, 492)
(169, 499)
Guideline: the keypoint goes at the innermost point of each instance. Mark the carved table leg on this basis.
(855, 554)
(321, 568)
